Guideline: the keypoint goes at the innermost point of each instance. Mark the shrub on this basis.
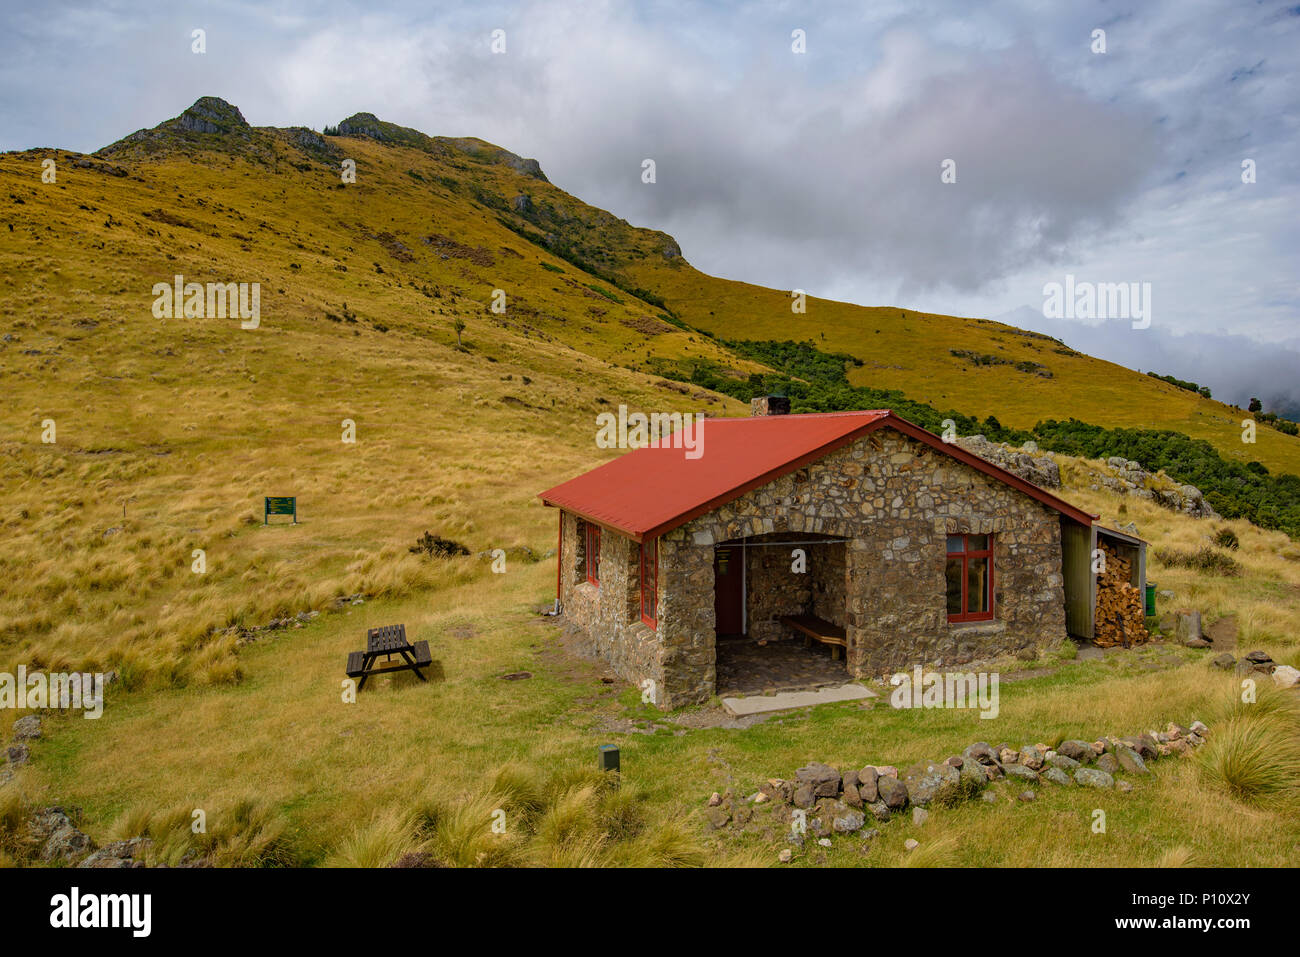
(1204, 559)
(435, 546)
(1225, 538)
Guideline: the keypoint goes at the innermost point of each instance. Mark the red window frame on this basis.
(649, 562)
(591, 552)
(964, 556)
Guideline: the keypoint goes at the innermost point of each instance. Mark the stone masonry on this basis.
(895, 500)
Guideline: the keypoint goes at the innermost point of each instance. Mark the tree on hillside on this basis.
(459, 326)
(1256, 405)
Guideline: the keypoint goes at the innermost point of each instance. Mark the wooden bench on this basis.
(818, 629)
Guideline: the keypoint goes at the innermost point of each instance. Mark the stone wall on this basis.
(896, 499)
(605, 619)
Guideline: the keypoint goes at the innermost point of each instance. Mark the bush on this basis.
(1204, 559)
(1226, 538)
(435, 546)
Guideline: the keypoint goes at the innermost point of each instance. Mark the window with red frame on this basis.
(650, 583)
(969, 573)
(591, 552)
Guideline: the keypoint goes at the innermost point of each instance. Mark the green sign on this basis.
(280, 505)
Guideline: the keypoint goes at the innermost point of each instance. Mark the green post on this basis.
(1151, 599)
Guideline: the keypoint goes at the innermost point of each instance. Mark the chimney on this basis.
(769, 405)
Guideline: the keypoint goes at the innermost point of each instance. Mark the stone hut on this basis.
(860, 529)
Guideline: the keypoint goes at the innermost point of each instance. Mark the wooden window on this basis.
(591, 552)
(649, 559)
(969, 573)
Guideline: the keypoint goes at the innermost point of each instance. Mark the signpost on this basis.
(280, 505)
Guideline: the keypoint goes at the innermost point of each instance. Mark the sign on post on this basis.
(280, 505)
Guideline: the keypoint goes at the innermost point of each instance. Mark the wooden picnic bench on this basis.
(818, 629)
(385, 642)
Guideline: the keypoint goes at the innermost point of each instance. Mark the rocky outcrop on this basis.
(1130, 478)
(211, 114)
(1024, 461)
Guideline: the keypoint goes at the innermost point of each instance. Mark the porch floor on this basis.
(744, 667)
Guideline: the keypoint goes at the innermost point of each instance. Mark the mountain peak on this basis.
(211, 114)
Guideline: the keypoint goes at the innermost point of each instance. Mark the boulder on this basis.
(1106, 763)
(717, 817)
(851, 796)
(1198, 728)
(27, 728)
(1093, 778)
(18, 754)
(1031, 757)
(981, 752)
(1131, 761)
(1057, 776)
(786, 855)
(824, 779)
(804, 797)
(1076, 750)
(119, 854)
(893, 792)
(1187, 627)
(846, 820)
(932, 782)
(973, 777)
(1284, 676)
(1224, 661)
(1124, 786)
(1064, 763)
(911, 844)
(879, 810)
(1007, 756)
(60, 841)
(867, 779)
(919, 816)
(1027, 796)
(1019, 772)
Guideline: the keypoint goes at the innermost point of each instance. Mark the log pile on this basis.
(1120, 612)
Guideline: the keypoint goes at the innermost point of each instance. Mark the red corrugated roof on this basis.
(651, 490)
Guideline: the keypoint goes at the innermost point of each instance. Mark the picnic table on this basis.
(385, 642)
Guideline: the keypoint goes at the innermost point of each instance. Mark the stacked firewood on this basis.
(1120, 615)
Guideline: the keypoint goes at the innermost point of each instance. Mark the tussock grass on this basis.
(1254, 752)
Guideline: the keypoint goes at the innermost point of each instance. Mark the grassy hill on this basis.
(168, 433)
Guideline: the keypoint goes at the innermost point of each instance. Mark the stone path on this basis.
(785, 700)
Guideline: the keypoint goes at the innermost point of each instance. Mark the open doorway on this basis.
(780, 603)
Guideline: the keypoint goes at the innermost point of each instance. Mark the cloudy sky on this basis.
(817, 170)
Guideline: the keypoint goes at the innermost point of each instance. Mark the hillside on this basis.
(375, 310)
(170, 431)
